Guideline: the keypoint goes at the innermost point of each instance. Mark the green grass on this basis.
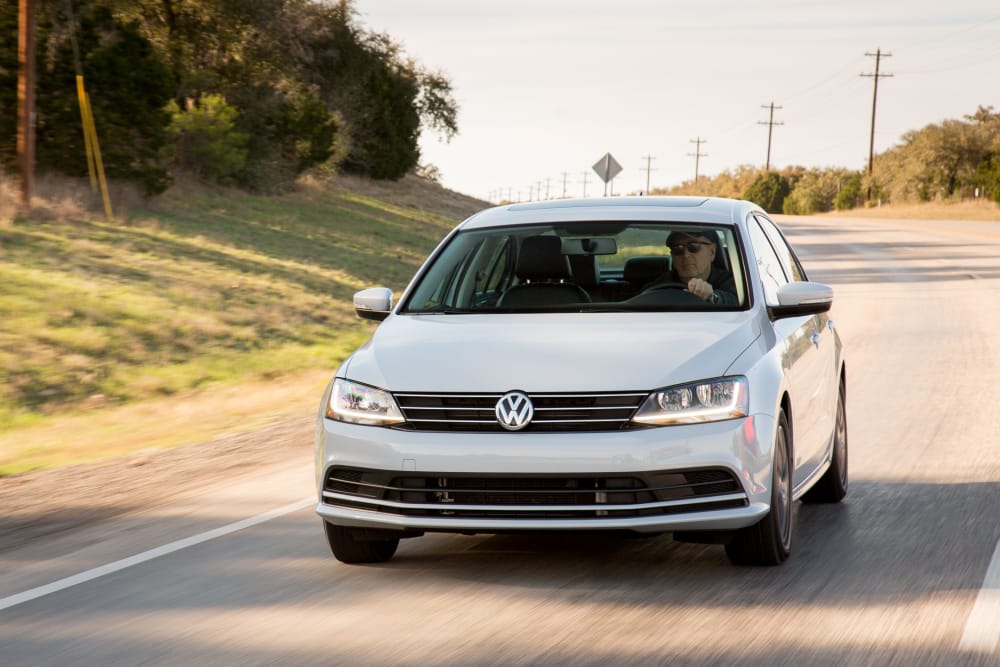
(196, 289)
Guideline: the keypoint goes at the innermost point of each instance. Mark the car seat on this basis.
(543, 271)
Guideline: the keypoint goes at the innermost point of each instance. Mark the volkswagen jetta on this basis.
(648, 364)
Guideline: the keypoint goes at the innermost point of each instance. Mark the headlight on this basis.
(706, 401)
(361, 404)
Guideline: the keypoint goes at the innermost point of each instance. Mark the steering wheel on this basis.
(666, 294)
(667, 285)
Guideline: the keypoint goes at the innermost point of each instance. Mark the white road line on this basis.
(69, 582)
(982, 629)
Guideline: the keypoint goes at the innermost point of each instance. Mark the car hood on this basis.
(564, 352)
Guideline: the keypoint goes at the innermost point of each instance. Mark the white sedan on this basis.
(648, 364)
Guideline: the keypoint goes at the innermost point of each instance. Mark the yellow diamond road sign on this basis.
(607, 167)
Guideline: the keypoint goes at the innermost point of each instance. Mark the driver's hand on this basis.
(700, 288)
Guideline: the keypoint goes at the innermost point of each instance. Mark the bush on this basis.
(768, 191)
(850, 195)
(989, 177)
(205, 139)
(289, 130)
(816, 191)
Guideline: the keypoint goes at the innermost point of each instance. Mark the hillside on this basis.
(204, 312)
(197, 313)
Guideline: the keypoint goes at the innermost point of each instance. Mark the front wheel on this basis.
(356, 545)
(769, 541)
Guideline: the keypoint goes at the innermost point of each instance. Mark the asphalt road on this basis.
(899, 574)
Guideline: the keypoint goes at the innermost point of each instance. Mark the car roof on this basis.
(710, 210)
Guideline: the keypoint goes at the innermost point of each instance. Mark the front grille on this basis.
(553, 412)
(534, 496)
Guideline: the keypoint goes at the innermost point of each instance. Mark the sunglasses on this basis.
(692, 247)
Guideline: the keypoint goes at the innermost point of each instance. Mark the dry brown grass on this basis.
(978, 209)
(155, 425)
(409, 192)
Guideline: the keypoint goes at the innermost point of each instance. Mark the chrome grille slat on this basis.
(599, 411)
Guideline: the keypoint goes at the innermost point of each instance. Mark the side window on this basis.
(768, 265)
(492, 276)
(788, 259)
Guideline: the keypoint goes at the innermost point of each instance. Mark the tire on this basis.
(352, 545)
(832, 486)
(769, 541)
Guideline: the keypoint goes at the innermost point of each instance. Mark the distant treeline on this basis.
(249, 93)
(956, 159)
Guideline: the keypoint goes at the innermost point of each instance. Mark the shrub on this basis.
(205, 139)
(768, 191)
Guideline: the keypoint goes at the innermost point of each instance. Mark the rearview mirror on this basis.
(601, 245)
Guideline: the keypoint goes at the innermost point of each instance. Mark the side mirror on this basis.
(373, 303)
(801, 298)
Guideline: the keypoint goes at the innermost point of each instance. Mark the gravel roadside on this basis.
(36, 505)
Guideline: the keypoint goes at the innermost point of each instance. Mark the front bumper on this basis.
(695, 477)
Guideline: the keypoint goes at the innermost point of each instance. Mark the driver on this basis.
(693, 256)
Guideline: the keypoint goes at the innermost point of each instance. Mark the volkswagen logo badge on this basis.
(514, 410)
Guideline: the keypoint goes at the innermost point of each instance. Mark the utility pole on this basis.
(26, 97)
(648, 159)
(585, 175)
(770, 126)
(697, 154)
(871, 142)
(564, 175)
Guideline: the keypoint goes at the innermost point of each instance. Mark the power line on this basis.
(770, 127)
(878, 55)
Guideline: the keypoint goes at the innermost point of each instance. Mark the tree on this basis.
(128, 86)
(768, 191)
(307, 87)
(8, 83)
(815, 191)
(989, 177)
(850, 195)
(939, 161)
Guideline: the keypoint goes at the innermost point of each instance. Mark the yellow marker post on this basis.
(98, 163)
(92, 146)
(82, 96)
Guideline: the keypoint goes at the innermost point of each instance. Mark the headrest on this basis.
(541, 258)
(641, 270)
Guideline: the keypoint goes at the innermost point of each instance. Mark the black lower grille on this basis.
(534, 496)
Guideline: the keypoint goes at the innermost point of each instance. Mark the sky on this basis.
(545, 88)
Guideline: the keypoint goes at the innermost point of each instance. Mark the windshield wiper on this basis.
(442, 310)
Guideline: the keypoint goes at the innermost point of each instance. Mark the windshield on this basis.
(584, 266)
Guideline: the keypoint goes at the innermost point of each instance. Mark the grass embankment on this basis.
(200, 313)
